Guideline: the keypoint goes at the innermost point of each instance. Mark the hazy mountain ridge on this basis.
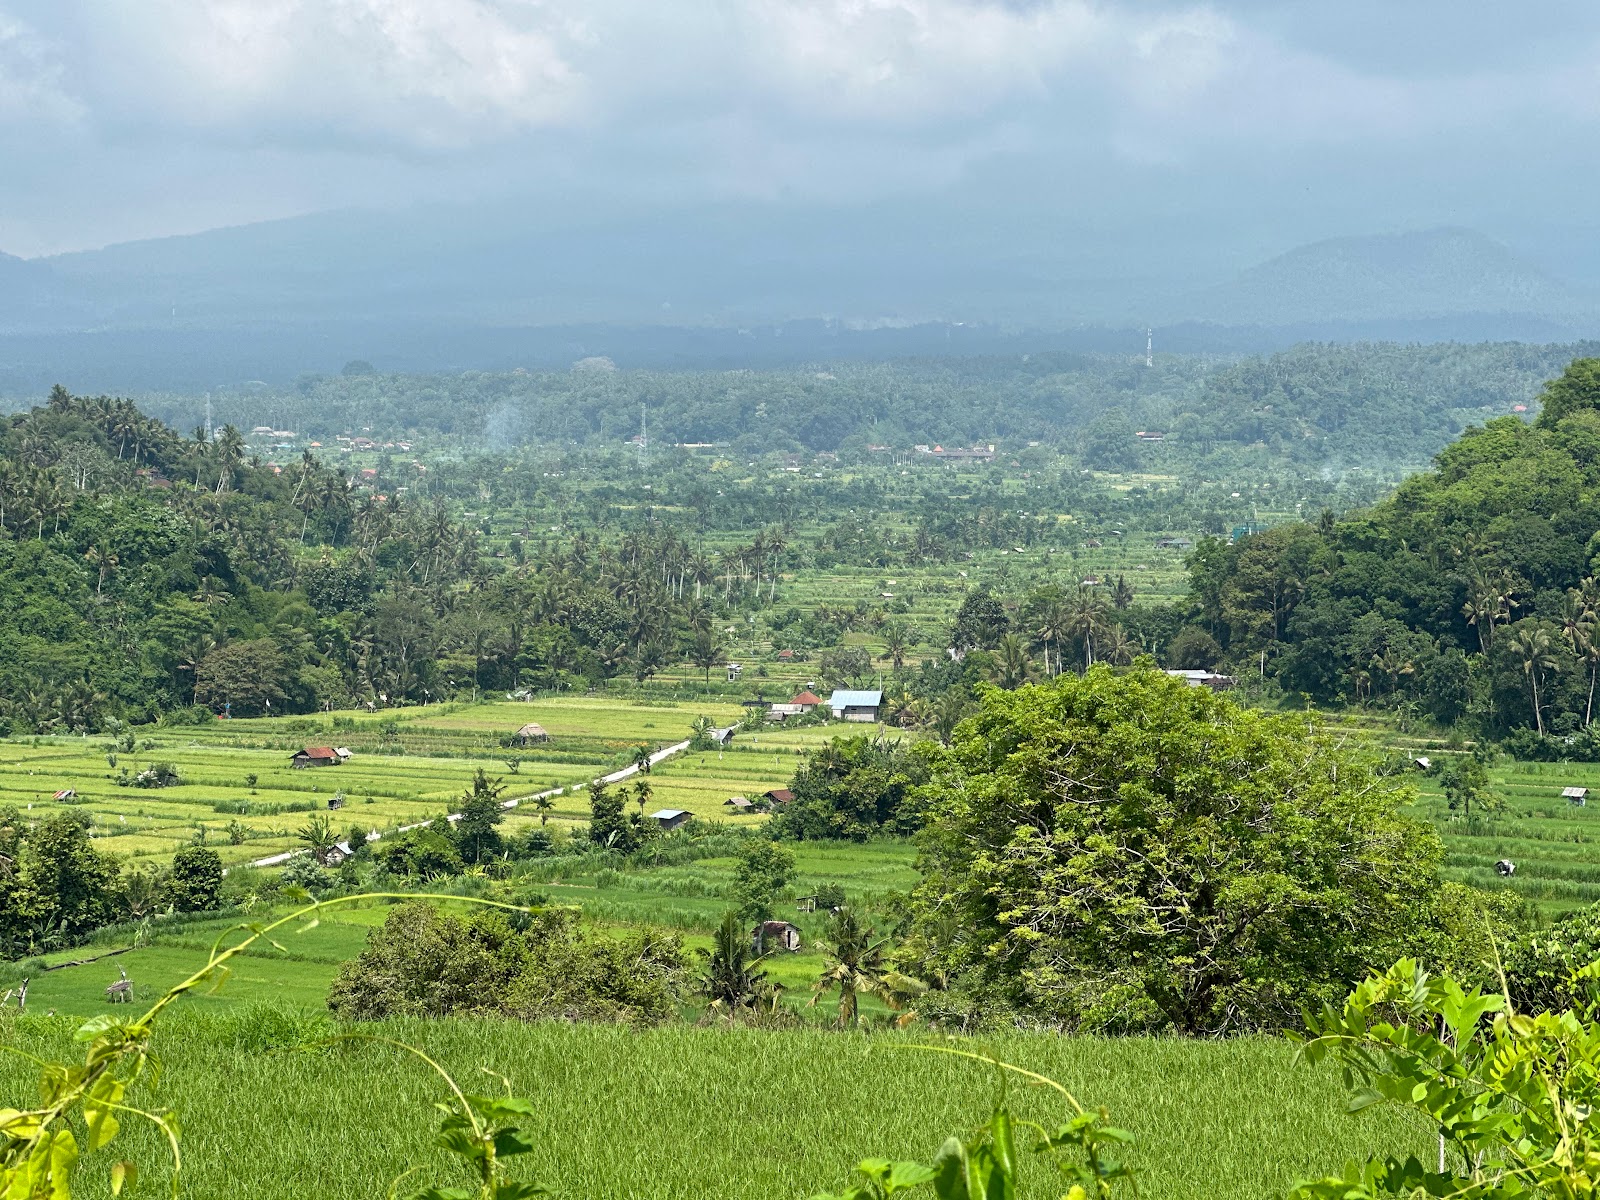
(273, 299)
(1408, 276)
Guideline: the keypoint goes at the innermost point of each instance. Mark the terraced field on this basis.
(407, 765)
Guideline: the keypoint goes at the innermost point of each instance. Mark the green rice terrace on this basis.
(237, 781)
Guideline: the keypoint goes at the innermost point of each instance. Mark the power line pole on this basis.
(644, 441)
(1149, 348)
(209, 436)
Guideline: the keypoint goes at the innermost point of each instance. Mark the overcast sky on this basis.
(1258, 123)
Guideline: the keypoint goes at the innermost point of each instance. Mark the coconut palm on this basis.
(1532, 646)
(1011, 665)
(855, 963)
(733, 979)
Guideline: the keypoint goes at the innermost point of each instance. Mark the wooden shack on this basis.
(530, 733)
(775, 935)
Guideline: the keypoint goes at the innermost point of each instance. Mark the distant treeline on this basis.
(1339, 404)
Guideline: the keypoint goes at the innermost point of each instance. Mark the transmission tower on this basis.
(209, 436)
(1149, 348)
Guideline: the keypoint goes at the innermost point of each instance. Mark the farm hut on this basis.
(806, 700)
(850, 705)
(1424, 763)
(530, 733)
(785, 655)
(315, 756)
(778, 796)
(1210, 679)
(1577, 796)
(737, 802)
(671, 818)
(336, 801)
(782, 712)
(343, 752)
(64, 794)
(1505, 867)
(775, 935)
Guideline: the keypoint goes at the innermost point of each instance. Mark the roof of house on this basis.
(807, 697)
(532, 729)
(778, 926)
(781, 795)
(319, 752)
(667, 814)
(850, 699)
(1575, 793)
(342, 751)
(737, 802)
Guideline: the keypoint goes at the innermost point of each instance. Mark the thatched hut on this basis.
(530, 733)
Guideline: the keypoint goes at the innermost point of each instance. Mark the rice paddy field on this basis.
(407, 765)
(709, 1113)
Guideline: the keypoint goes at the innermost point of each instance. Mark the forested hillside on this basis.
(1471, 592)
(1336, 404)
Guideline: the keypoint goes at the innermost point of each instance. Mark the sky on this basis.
(1238, 128)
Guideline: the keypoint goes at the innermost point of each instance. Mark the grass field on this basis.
(408, 765)
(699, 1112)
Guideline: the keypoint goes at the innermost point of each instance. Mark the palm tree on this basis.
(733, 979)
(1085, 619)
(318, 834)
(1051, 622)
(1532, 646)
(544, 804)
(705, 653)
(855, 963)
(1116, 647)
(948, 713)
(1011, 662)
(896, 641)
(642, 792)
(641, 758)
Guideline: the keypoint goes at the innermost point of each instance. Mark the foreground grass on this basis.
(697, 1112)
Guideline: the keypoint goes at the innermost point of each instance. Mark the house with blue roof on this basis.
(855, 706)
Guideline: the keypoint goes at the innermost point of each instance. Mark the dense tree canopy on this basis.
(1125, 852)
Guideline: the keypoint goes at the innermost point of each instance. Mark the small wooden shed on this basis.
(1578, 796)
(775, 935)
(778, 796)
(736, 802)
(671, 818)
(530, 733)
(315, 756)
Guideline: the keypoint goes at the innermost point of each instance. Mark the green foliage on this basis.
(425, 963)
(1125, 852)
(1577, 389)
(1509, 1092)
(55, 886)
(1541, 969)
(477, 833)
(1085, 1152)
(763, 869)
(611, 826)
(854, 788)
(195, 882)
(733, 980)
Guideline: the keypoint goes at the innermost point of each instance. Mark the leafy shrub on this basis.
(1541, 967)
(422, 962)
(195, 882)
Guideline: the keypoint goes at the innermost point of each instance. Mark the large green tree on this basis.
(1126, 852)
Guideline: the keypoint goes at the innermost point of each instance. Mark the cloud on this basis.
(434, 74)
(31, 91)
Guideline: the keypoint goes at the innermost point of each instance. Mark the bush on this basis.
(302, 871)
(1540, 967)
(195, 884)
(426, 963)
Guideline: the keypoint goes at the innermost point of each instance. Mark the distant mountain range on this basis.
(453, 289)
(1403, 277)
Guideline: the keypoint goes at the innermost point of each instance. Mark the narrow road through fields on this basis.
(721, 735)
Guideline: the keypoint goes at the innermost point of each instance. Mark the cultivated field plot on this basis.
(407, 765)
(712, 1113)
